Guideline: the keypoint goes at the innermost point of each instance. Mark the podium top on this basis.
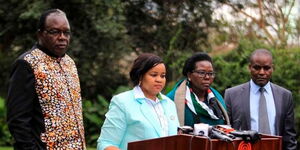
(191, 142)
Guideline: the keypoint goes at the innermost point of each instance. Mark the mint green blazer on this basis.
(130, 119)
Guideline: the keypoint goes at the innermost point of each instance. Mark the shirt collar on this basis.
(139, 95)
(255, 88)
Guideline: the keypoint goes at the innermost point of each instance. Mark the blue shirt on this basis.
(254, 106)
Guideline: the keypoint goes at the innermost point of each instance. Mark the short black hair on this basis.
(142, 64)
(42, 20)
(260, 51)
(190, 63)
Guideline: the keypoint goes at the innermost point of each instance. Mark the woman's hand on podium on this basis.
(111, 148)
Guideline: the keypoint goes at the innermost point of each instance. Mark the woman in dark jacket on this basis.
(196, 100)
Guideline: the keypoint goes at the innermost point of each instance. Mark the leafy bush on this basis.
(5, 137)
(287, 74)
(93, 116)
(232, 69)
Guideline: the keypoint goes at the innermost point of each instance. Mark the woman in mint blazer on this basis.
(143, 112)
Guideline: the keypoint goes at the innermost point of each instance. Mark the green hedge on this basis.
(231, 70)
(5, 137)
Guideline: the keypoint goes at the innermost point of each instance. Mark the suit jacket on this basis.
(130, 119)
(237, 100)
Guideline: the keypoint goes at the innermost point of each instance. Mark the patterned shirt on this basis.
(57, 91)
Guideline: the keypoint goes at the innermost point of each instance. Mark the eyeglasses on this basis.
(203, 74)
(55, 32)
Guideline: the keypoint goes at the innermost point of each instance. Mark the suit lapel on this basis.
(277, 102)
(150, 116)
(246, 103)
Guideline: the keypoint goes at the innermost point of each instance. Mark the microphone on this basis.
(201, 129)
(249, 135)
(224, 133)
(219, 135)
(185, 130)
(246, 135)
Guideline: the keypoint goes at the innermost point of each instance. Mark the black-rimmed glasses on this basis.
(56, 32)
(203, 74)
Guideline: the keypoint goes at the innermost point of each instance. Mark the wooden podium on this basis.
(190, 142)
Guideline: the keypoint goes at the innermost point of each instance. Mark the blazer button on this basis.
(172, 117)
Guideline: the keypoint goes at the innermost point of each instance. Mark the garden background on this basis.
(107, 35)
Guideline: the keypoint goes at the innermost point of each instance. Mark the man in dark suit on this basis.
(261, 105)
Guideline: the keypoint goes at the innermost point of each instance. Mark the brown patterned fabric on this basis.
(58, 90)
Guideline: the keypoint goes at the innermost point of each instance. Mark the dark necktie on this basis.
(263, 119)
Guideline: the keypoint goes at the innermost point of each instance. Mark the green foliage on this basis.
(287, 73)
(171, 29)
(99, 42)
(5, 137)
(232, 69)
(104, 32)
(17, 32)
(6, 148)
(94, 115)
(121, 89)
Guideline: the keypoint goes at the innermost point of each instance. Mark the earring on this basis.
(140, 83)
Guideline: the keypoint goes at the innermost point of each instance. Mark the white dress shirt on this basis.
(157, 109)
(254, 106)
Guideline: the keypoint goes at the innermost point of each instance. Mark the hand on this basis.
(111, 148)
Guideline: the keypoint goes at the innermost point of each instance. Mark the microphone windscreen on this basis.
(201, 129)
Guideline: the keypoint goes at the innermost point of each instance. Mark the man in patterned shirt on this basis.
(44, 107)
